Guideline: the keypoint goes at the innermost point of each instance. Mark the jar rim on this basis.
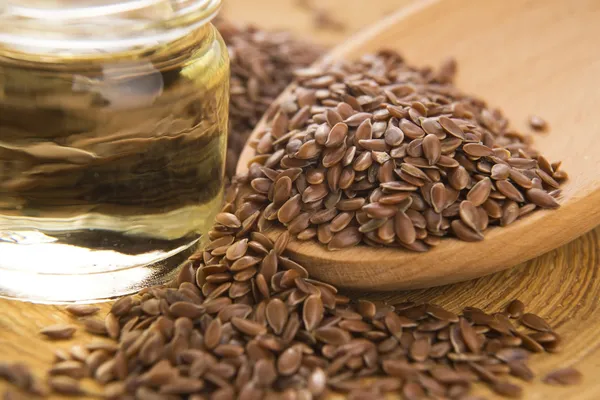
(78, 27)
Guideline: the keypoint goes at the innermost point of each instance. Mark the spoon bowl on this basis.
(536, 57)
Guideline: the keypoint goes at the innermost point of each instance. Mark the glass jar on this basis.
(113, 129)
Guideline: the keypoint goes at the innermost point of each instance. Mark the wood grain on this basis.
(562, 285)
(290, 15)
(512, 62)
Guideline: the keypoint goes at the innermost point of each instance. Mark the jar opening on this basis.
(76, 27)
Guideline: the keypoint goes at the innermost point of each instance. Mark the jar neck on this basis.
(70, 28)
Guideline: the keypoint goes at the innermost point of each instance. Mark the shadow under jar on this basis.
(113, 129)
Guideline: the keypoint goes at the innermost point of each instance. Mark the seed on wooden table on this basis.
(458, 178)
(500, 172)
(212, 336)
(289, 361)
(480, 192)
(451, 127)
(277, 315)
(413, 391)
(469, 215)
(394, 324)
(528, 343)
(237, 250)
(511, 192)
(507, 389)
(74, 369)
(59, 331)
(247, 327)
(122, 306)
(188, 310)
(281, 243)
(564, 376)
(366, 308)
(521, 370)
(112, 325)
(17, 373)
(65, 385)
(348, 237)
(290, 209)
(332, 335)
(535, 322)
(82, 310)
(393, 136)
(333, 117)
(265, 372)
(229, 350)
(337, 135)
(438, 197)
(312, 312)
(542, 198)
(419, 350)
(411, 130)
(544, 337)
(441, 314)
(341, 221)
(537, 123)
(151, 306)
(227, 219)
(469, 336)
(510, 212)
(182, 385)
(114, 390)
(515, 308)
(398, 368)
(477, 150)
(510, 341)
(463, 232)
(77, 352)
(432, 148)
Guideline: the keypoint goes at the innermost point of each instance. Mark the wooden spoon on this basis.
(535, 57)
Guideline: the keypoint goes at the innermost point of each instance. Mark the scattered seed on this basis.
(187, 310)
(59, 331)
(95, 326)
(289, 361)
(469, 336)
(564, 376)
(313, 312)
(111, 322)
(65, 385)
(537, 123)
(247, 327)
(277, 315)
(122, 306)
(71, 368)
(349, 157)
(507, 389)
(480, 192)
(542, 198)
(212, 335)
(82, 310)
(534, 322)
(515, 308)
(419, 350)
(521, 370)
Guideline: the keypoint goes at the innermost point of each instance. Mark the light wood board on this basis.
(562, 285)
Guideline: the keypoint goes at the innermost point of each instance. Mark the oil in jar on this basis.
(110, 162)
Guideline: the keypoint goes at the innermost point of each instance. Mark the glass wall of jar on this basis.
(113, 129)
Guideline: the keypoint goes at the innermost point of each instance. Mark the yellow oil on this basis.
(110, 161)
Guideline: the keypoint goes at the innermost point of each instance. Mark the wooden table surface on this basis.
(562, 286)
